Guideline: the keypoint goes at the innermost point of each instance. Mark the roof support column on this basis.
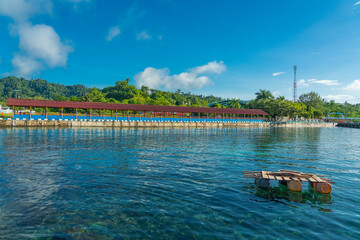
(30, 114)
(14, 110)
(46, 112)
(128, 115)
(189, 117)
(199, 116)
(103, 113)
(222, 117)
(161, 116)
(90, 110)
(139, 116)
(76, 113)
(62, 113)
(207, 117)
(115, 115)
(151, 116)
(171, 116)
(181, 117)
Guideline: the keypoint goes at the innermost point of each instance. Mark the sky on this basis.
(229, 48)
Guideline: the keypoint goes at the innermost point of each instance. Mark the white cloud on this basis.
(355, 85)
(211, 67)
(194, 78)
(278, 73)
(113, 32)
(276, 93)
(43, 43)
(339, 97)
(303, 83)
(143, 36)
(25, 66)
(307, 83)
(357, 3)
(21, 10)
(39, 45)
(324, 82)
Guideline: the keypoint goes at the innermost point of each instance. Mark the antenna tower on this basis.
(295, 83)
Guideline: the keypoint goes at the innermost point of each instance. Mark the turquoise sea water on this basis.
(175, 183)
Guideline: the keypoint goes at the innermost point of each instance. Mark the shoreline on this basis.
(148, 124)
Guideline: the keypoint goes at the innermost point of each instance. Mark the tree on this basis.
(234, 103)
(311, 99)
(264, 95)
(94, 96)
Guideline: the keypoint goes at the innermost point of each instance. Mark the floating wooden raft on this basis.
(287, 175)
(292, 179)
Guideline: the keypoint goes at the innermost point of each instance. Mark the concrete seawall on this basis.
(142, 124)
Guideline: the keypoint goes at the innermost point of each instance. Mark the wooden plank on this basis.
(289, 171)
(294, 179)
(312, 180)
(279, 178)
(264, 175)
(271, 177)
(250, 176)
(303, 179)
(286, 178)
(317, 179)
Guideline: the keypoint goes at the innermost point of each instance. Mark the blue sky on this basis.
(227, 48)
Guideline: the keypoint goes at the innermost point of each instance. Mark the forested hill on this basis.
(121, 92)
(38, 88)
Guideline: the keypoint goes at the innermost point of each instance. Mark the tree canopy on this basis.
(310, 105)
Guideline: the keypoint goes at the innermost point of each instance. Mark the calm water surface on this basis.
(175, 184)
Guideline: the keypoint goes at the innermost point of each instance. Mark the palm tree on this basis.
(263, 94)
(281, 98)
(234, 103)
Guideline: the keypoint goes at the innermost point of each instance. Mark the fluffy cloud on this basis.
(21, 10)
(211, 67)
(43, 43)
(357, 3)
(339, 97)
(307, 83)
(25, 66)
(113, 32)
(278, 73)
(143, 36)
(303, 83)
(39, 45)
(355, 85)
(194, 78)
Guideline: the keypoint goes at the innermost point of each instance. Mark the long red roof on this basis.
(17, 102)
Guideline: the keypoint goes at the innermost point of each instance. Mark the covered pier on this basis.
(131, 112)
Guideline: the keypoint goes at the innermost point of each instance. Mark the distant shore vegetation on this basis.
(309, 105)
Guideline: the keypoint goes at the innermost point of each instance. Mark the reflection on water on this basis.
(175, 183)
(283, 195)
